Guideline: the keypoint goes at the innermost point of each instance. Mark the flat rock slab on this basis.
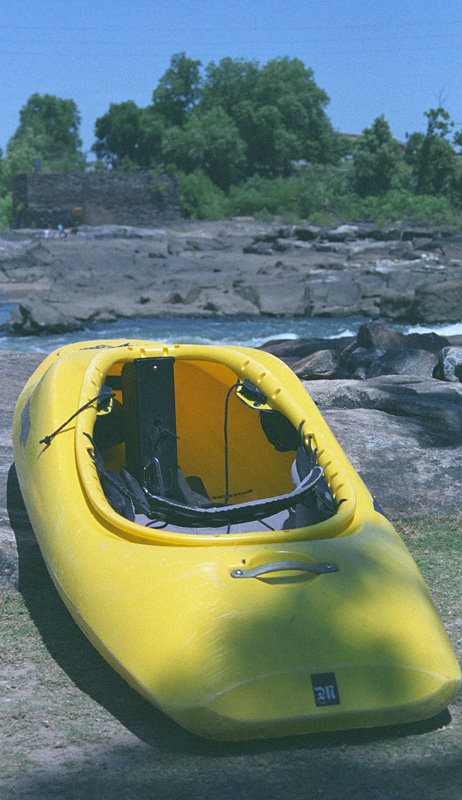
(227, 267)
(404, 437)
(402, 434)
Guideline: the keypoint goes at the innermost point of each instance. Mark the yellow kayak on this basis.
(209, 536)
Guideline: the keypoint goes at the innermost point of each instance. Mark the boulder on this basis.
(37, 316)
(376, 334)
(318, 365)
(438, 302)
(379, 350)
(450, 364)
(404, 437)
(344, 233)
(292, 350)
(322, 296)
(306, 234)
(396, 305)
(272, 297)
(385, 234)
(435, 405)
(432, 341)
(364, 363)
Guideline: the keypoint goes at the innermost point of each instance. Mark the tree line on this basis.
(247, 138)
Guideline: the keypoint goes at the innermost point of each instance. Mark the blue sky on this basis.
(396, 58)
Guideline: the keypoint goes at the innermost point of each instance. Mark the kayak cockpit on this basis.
(195, 445)
(186, 447)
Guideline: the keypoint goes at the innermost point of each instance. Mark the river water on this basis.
(244, 331)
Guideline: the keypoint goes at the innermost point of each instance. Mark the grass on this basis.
(436, 546)
(73, 729)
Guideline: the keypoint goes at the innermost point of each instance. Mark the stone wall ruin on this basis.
(46, 200)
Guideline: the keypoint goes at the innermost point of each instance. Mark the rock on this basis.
(318, 365)
(395, 249)
(394, 305)
(222, 303)
(274, 297)
(432, 342)
(307, 234)
(344, 233)
(407, 476)
(321, 296)
(435, 404)
(123, 271)
(376, 334)
(205, 244)
(403, 435)
(36, 317)
(384, 235)
(292, 350)
(332, 247)
(379, 350)
(365, 363)
(409, 234)
(438, 302)
(260, 248)
(450, 364)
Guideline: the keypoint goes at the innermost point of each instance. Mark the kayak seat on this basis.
(150, 424)
(319, 504)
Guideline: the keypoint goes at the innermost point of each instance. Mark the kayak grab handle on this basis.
(281, 566)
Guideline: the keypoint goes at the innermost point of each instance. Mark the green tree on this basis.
(118, 133)
(289, 86)
(201, 198)
(151, 129)
(129, 135)
(270, 146)
(228, 84)
(51, 124)
(210, 141)
(278, 110)
(431, 155)
(178, 90)
(376, 157)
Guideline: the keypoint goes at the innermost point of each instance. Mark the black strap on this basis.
(102, 399)
(218, 516)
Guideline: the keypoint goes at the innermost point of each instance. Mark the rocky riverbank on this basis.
(230, 267)
(394, 402)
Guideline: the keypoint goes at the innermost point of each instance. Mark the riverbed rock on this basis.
(450, 364)
(403, 435)
(376, 350)
(353, 269)
(365, 363)
(34, 317)
(292, 350)
(438, 302)
(318, 365)
(376, 334)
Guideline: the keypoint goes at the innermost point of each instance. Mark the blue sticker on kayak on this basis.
(325, 689)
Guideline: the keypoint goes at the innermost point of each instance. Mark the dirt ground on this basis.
(72, 728)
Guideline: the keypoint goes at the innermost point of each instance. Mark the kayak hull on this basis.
(287, 651)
